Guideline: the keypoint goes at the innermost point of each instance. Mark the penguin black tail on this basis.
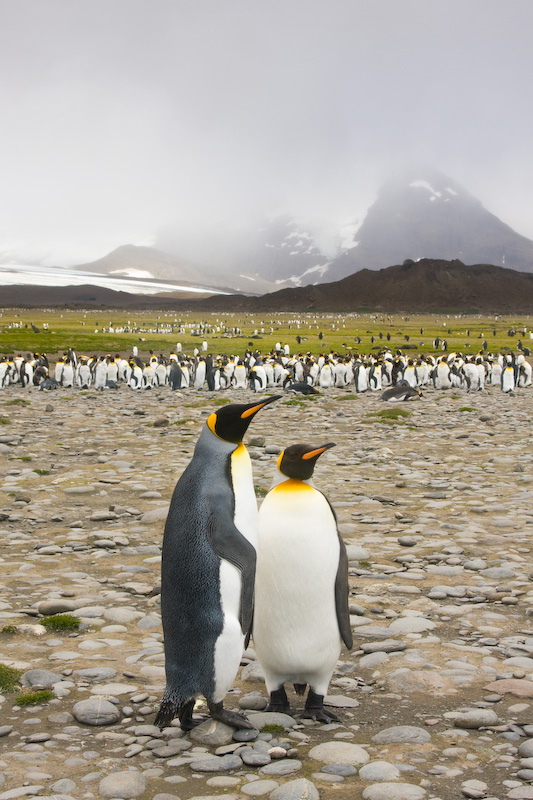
(300, 688)
(168, 709)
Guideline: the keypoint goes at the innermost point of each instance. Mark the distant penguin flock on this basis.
(301, 373)
(229, 572)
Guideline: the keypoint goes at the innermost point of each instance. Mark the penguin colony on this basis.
(216, 547)
(302, 373)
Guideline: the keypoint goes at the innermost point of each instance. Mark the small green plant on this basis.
(347, 397)
(33, 698)
(298, 403)
(271, 728)
(364, 563)
(9, 629)
(9, 677)
(389, 414)
(42, 471)
(24, 458)
(467, 408)
(183, 422)
(260, 492)
(5, 421)
(17, 402)
(61, 622)
(220, 401)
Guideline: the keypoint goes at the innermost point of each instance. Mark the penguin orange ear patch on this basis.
(211, 421)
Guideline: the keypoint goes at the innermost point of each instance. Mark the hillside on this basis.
(426, 285)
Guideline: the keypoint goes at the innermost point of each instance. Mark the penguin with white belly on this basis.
(208, 569)
(301, 614)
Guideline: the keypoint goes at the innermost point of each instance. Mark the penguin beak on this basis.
(318, 451)
(254, 409)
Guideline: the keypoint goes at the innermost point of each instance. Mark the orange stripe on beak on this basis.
(253, 410)
(317, 452)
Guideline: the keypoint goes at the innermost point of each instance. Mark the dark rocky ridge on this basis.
(426, 285)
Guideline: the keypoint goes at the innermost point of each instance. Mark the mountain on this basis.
(426, 214)
(150, 263)
(423, 286)
(284, 251)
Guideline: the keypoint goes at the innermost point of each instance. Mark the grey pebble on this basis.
(287, 766)
(123, 784)
(401, 734)
(96, 711)
(216, 763)
(299, 789)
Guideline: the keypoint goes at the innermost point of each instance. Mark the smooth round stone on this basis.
(287, 766)
(90, 612)
(96, 673)
(123, 785)
(262, 718)
(259, 788)
(401, 734)
(521, 793)
(378, 771)
(525, 750)
(55, 605)
(254, 759)
(216, 763)
(520, 687)
(40, 677)
(299, 789)
(165, 796)
(212, 733)
(253, 702)
(223, 781)
(97, 711)
(62, 786)
(475, 718)
(339, 753)
(150, 621)
(122, 615)
(412, 625)
(345, 770)
(5, 730)
(245, 735)
(357, 553)
(114, 689)
(253, 672)
(393, 791)
(474, 788)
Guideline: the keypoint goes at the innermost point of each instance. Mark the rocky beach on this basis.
(436, 510)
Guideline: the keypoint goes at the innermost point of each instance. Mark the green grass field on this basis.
(87, 332)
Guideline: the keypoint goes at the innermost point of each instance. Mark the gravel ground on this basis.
(436, 511)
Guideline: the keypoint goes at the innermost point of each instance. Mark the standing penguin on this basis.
(298, 633)
(208, 569)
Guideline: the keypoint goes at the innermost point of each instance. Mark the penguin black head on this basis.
(231, 422)
(298, 461)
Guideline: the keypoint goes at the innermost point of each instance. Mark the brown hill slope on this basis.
(426, 285)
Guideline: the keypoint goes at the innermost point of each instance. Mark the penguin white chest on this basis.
(296, 631)
(228, 648)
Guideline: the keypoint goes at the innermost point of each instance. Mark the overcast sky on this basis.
(123, 118)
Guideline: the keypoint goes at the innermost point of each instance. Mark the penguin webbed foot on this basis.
(232, 718)
(314, 709)
(279, 702)
(187, 721)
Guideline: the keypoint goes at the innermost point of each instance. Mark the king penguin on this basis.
(301, 614)
(208, 569)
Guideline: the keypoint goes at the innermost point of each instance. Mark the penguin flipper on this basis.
(341, 597)
(229, 543)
